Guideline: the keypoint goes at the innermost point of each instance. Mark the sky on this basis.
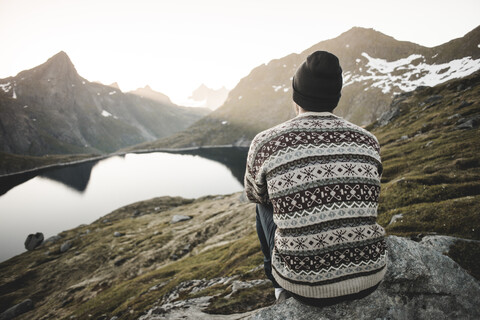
(176, 45)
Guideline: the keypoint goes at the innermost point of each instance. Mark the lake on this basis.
(51, 201)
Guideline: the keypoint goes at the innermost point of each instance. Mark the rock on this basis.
(178, 218)
(52, 239)
(118, 234)
(395, 218)
(442, 244)
(388, 116)
(420, 283)
(65, 246)
(468, 123)
(17, 310)
(433, 98)
(33, 241)
(465, 104)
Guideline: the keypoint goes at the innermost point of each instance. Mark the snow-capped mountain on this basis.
(375, 67)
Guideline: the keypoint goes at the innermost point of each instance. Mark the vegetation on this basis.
(430, 153)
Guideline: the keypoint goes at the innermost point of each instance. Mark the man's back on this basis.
(322, 176)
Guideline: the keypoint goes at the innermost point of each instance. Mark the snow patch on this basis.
(106, 114)
(347, 46)
(276, 88)
(285, 89)
(73, 85)
(405, 76)
(357, 60)
(434, 56)
(83, 82)
(240, 98)
(112, 92)
(24, 107)
(284, 65)
(478, 45)
(34, 119)
(14, 94)
(98, 93)
(224, 122)
(6, 87)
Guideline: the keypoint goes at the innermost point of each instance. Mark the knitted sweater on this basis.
(322, 174)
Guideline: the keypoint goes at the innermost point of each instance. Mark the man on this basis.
(316, 182)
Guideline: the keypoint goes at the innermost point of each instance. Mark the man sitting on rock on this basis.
(316, 182)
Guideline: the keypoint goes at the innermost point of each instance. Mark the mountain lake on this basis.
(54, 200)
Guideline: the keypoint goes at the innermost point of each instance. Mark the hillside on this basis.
(51, 109)
(212, 262)
(375, 66)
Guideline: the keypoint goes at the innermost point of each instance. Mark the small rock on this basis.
(106, 220)
(118, 234)
(465, 104)
(65, 246)
(17, 310)
(428, 144)
(433, 98)
(52, 239)
(119, 262)
(33, 241)
(395, 218)
(136, 213)
(178, 218)
(102, 317)
(114, 318)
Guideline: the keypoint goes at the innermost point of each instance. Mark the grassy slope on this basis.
(431, 177)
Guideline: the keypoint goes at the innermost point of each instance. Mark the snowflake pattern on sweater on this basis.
(322, 175)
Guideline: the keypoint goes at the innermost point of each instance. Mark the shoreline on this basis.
(119, 153)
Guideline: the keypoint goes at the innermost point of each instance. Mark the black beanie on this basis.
(318, 82)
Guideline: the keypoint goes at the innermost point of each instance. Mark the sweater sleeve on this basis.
(255, 179)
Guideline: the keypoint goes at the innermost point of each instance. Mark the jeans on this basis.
(266, 234)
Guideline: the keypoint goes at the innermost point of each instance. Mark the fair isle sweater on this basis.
(322, 175)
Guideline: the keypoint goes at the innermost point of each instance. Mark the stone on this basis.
(178, 218)
(118, 234)
(65, 246)
(52, 239)
(17, 310)
(420, 283)
(33, 241)
(395, 218)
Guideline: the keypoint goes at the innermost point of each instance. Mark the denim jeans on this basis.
(266, 234)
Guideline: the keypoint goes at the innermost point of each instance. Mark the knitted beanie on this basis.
(318, 82)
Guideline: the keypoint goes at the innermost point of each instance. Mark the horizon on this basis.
(174, 47)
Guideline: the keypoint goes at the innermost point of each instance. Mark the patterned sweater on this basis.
(322, 174)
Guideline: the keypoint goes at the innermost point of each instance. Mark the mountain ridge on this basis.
(51, 109)
(376, 68)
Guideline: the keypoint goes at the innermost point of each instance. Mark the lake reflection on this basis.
(64, 198)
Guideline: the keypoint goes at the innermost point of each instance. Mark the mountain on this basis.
(209, 98)
(52, 109)
(376, 68)
(135, 263)
(147, 92)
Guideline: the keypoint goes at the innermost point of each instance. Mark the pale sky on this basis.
(175, 45)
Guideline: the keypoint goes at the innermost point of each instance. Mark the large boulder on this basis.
(33, 241)
(420, 283)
